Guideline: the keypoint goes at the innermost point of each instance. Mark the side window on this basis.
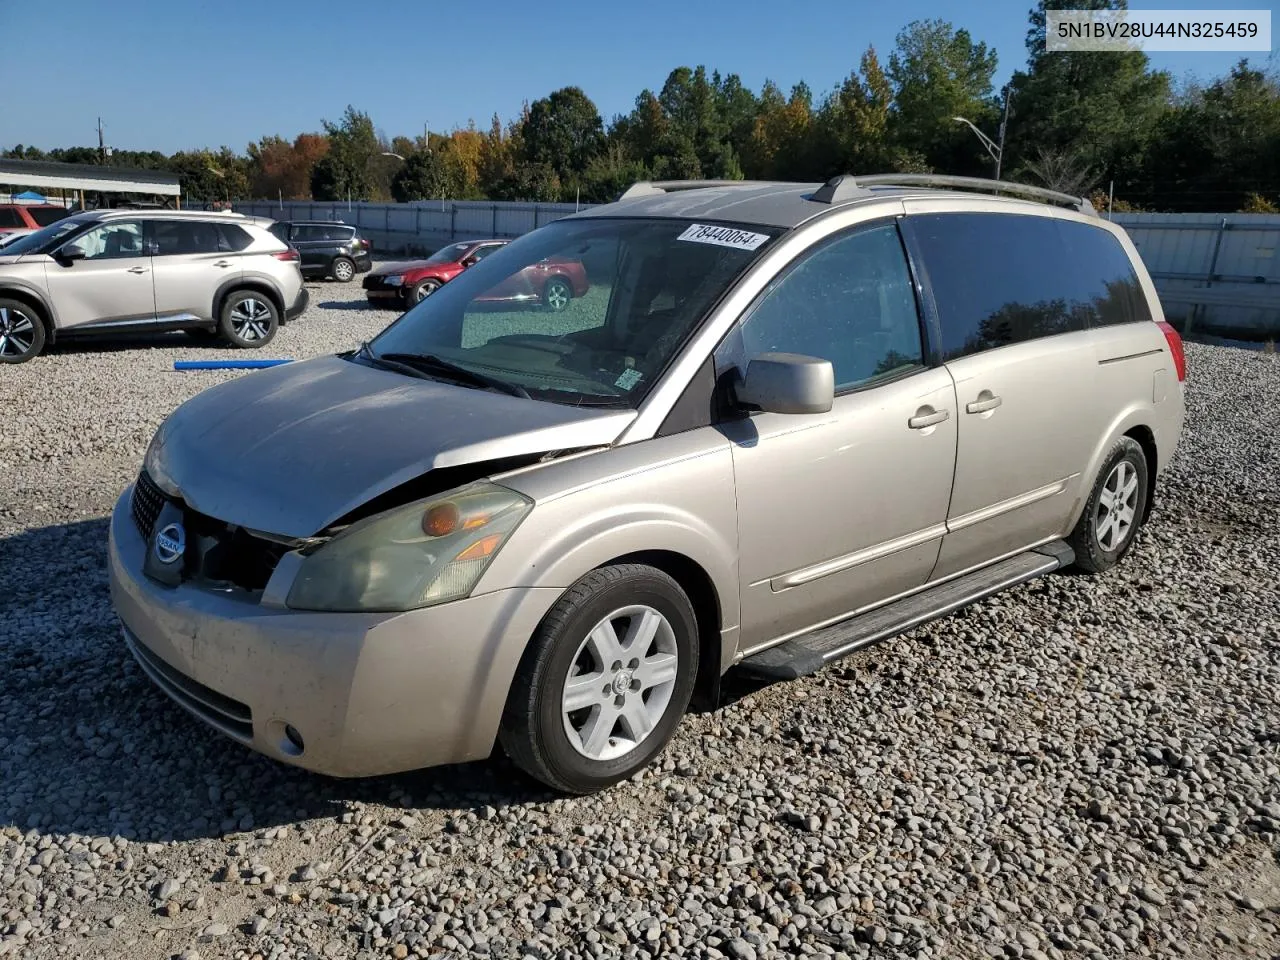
(174, 237)
(280, 231)
(1103, 275)
(233, 238)
(481, 252)
(11, 218)
(339, 234)
(308, 234)
(115, 240)
(850, 301)
(999, 279)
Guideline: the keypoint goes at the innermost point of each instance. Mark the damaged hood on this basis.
(290, 449)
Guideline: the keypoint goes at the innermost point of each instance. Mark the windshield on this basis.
(586, 311)
(44, 239)
(449, 254)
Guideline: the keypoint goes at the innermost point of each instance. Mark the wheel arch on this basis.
(1146, 438)
(39, 303)
(701, 591)
(1133, 422)
(236, 284)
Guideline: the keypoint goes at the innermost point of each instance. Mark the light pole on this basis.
(995, 149)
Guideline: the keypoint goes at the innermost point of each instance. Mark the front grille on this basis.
(148, 500)
(232, 717)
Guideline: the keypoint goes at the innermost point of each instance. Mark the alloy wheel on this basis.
(343, 271)
(557, 295)
(17, 332)
(620, 683)
(251, 319)
(1117, 506)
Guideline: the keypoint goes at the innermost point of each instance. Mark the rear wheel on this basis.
(249, 319)
(21, 332)
(1114, 511)
(605, 680)
(343, 270)
(557, 294)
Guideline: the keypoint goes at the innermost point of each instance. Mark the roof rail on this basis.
(844, 188)
(654, 188)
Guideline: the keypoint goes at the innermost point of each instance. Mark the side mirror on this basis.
(787, 383)
(71, 253)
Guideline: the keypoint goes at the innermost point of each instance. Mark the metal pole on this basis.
(1111, 198)
(1004, 123)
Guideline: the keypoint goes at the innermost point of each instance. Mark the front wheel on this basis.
(423, 289)
(605, 681)
(249, 319)
(21, 332)
(1114, 511)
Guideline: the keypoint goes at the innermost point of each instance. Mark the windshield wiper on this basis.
(427, 363)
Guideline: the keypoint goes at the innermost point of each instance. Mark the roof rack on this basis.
(848, 187)
(654, 188)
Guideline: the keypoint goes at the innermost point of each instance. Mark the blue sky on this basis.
(192, 73)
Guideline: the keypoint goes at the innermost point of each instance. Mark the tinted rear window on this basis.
(47, 215)
(233, 238)
(11, 218)
(1001, 279)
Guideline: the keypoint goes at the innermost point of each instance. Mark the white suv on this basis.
(113, 271)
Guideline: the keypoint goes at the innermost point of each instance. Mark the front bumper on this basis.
(369, 694)
(379, 292)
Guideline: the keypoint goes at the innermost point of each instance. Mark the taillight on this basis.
(288, 256)
(1175, 349)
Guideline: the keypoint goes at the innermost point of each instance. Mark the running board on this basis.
(809, 653)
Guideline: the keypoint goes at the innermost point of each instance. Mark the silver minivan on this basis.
(785, 421)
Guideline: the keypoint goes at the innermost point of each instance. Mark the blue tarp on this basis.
(30, 195)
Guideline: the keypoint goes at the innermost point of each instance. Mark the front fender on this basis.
(671, 494)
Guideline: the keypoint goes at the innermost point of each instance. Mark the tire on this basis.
(421, 290)
(249, 319)
(557, 294)
(343, 270)
(22, 333)
(1108, 526)
(606, 612)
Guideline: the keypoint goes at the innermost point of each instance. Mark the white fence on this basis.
(1218, 274)
(421, 227)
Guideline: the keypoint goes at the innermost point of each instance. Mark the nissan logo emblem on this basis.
(171, 542)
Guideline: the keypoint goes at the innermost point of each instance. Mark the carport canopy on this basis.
(87, 176)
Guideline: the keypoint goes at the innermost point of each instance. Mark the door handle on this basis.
(223, 263)
(137, 269)
(922, 419)
(986, 401)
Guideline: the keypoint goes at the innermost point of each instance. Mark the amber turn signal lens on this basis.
(441, 520)
(481, 548)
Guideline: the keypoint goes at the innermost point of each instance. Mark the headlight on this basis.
(154, 462)
(427, 552)
(393, 281)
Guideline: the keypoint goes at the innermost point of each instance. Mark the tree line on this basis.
(1083, 123)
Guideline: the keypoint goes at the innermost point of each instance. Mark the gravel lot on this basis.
(1080, 767)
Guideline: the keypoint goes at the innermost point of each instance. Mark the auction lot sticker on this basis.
(723, 236)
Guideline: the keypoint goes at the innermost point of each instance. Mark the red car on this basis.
(553, 282)
(23, 218)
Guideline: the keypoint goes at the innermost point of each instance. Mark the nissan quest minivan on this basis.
(786, 421)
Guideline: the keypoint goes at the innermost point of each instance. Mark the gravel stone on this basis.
(1082, 766)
